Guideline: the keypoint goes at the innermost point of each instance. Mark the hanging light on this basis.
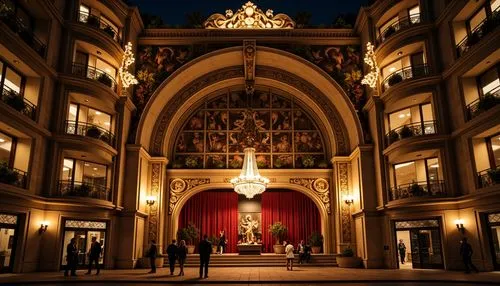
(250, 182)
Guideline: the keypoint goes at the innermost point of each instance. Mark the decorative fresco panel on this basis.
(209, 138)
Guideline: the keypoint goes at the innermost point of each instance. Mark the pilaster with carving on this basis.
(345, 210)
(320, 188)
(156, 183)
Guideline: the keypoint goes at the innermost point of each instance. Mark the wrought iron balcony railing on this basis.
(485, 102)
(489, 177)
(434, 188)
(401, 24)
(19, 103)
(13, 176)
(411, 130)
(97, 23)
(94, 73)
(84, 189)
(488, 25)
(404, 74)
(9, 18)
(90, 130)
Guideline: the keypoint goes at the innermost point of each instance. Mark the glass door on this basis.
(494, 234)
(7, 247)
(426, 248)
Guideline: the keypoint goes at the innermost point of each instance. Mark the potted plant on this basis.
(278, 231)
(7, 175)
(108, 30)
(214, 239)
(105, 79)
(15, 101)
(316, 241)
(473, 39)
(406, 132)
(416, 190)
(393, 136)
(189, 234)
(93, 132)
(494, 175)
(347, 259)
(389, 32)
(93, 21)
(394, 79)
(83, 190)
(487, 101)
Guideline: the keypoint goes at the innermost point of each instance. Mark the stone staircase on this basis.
(263, 260)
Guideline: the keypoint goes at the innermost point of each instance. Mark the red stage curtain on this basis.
(295, 210)
(211, 212)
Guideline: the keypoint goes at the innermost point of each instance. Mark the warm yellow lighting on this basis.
(250, 182)
(98, 113)
(127, 78)
(150, 200)
(349, 199)
(2, 140)
(403, 165)
(43, 226)
(434, 166)
(371, 78)
(459, 223)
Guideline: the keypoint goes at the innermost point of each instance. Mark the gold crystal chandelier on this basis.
(249, 183)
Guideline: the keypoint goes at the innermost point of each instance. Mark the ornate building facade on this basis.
(413, 155)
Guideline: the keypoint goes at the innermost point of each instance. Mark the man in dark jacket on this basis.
(94, 254)
(205, 249)
(466, 253)
(172, 255)
(152, 254)
(71, 257)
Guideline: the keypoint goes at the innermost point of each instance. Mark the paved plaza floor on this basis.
(260, 276)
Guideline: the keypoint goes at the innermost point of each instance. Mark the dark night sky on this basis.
(173, 11)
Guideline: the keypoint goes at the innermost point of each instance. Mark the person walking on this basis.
(222, 241)
(302, 251)
(402, 251)
(289, 256)
(181, 256)
(466, 253)
(205, 249)
(71, 257)
(172, 255)
(152, 254)
(94, 254)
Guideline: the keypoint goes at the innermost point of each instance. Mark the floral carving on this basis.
(319, 186)
(179, 188)
(153, 209)
(345, 215)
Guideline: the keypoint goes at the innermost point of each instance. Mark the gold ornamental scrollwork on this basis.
(179, 188)
(345, 208)
(249, 17)
(153, 209)
(320, 188)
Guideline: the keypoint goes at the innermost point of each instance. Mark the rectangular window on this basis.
(391, 68)
(79, 171)
(412, 116)
(12, 80)
(6, 144)
(105, 67)
(67, 170)
(495, 150)
(494, 4)
(89, 116)
(84, 13)
(433, 169)
(383, 29)
(489, 82)
(406, 173)
(414, 14)
(477, 19)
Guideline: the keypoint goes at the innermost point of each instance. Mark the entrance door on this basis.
(8, 238)
(494, 235)
(83, 232)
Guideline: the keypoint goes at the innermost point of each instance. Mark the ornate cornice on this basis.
(180, 187)
(320, 188)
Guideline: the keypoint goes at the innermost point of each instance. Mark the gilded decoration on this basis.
(180, 187)
(285, 135)
(153, 209)
(249, 55)
(345, 215)
(8, 219)
(249, 16)
(320, 188)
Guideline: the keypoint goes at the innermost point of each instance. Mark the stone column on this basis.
(344, 239)
(157, 186)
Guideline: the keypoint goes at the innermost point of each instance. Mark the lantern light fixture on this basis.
(150, 200)
(43, 227)
(459, 223)
(349, 199)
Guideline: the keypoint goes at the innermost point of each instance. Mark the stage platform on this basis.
(263, 260)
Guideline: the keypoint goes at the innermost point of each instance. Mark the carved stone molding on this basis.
(179, 188)
(249, 55)
(319, 187)
(345, 210)
(153, 209)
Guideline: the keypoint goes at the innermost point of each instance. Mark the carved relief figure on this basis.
(248, 227)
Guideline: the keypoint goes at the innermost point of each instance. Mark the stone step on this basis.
(265, 260)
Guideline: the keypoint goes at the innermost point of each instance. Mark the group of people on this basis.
(94, 254)
(303, 249)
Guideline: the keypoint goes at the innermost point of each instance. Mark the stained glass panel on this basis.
(417, 223)
(8, 219)
(492, 218)
(85, 224)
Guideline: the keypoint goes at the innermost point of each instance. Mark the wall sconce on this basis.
(150, 200)
(43, 227)
(348, 199)
(460, 225)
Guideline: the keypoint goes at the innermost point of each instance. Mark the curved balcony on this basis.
(16, 101)
(405, 74)
(484, 28)
(411, 130)
(93, 73)
(84, 190)
(16, 25)
(98, 24)
(89, 130)
(489, 177)
(12, 176)
(484, 103)
(433, 188)
(400, 25)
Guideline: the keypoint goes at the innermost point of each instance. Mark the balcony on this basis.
(489, 177)
(90, 130)
(16, 101)
(12, 176)
(400, 25)
(84, 190)
(94, 73)
(484, 28)
(9, 18)
(411, 130)
(418, 189)
(484, 103)
(97, 23)
(405, 74)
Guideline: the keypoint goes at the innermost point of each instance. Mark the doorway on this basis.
(422, 244)
(8, 238)
(494, 237)
(83, 232)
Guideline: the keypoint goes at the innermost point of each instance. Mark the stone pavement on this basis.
(260, 275)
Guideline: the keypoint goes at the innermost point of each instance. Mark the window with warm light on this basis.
(489, 82)
(414, 14)
(414, 117)
(84, 172)
(6, 149)
(85, 115)
(421, 172)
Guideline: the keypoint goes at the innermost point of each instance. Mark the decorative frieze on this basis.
(179, 188)
(319, 187)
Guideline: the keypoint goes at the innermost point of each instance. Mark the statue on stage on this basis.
(249, 226)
